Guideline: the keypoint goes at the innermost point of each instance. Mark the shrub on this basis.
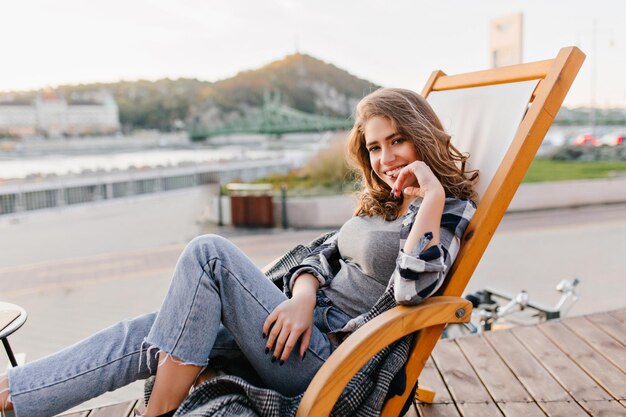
(326, 172)
(589, 153)
(329, 166)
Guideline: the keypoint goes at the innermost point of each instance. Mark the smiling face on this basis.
(388, 150)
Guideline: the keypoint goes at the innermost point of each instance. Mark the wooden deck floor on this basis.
(574, 367)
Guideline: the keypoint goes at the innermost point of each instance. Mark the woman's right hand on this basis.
(416, 180)
(292, 320)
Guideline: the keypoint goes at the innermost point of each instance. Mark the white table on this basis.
(12, 317)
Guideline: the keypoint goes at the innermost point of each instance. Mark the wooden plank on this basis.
(537, 381)
(608, 347)
(563, 409)
(425, 395)
(431, 378)
(488, 409)
(495, 375)
(431, 81)
(438, 410)
(124, 409)
(460, 378)
(511, 74)
(619, 314)
(610, 325)
(538, 88)
(604, 408)
(521, 409)
(561, 367)
(595, 365)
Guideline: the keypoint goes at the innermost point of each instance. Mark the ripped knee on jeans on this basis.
(161, 361)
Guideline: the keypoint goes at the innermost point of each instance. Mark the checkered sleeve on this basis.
(420, 273)
(322, 262)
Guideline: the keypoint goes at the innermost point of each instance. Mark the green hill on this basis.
(303, 82)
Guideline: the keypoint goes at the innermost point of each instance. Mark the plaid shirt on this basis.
(418, 274)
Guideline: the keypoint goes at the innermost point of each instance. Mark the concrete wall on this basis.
(323, 212)
(562, 194)
(302, 212)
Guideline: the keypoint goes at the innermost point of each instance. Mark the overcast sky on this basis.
(392, 43)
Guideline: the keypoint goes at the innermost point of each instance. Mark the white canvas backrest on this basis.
(483, 121)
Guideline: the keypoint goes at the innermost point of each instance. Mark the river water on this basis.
(66, 158)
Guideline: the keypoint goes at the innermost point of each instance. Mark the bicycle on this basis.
(489, 314)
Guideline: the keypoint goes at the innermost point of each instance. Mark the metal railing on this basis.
(64, 191)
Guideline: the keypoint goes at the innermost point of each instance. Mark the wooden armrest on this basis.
(360, 347)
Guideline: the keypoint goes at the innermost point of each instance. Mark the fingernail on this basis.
(282, 362)
(273, 359)
(267, 350)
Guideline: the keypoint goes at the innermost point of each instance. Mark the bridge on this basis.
(273, 118)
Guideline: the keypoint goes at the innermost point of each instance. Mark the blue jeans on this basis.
(214, 310)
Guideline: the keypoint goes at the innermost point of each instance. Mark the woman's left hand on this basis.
(291, 321)
(416, 179)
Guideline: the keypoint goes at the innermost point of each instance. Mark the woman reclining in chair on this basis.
(406, 231)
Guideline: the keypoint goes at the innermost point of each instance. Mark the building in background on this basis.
(17, 118)
(52, 115)
(505, 40)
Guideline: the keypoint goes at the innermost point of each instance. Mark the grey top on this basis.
(369, 248)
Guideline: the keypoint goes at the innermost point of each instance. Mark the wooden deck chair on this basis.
(530, 95)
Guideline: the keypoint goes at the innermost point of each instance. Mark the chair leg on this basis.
(7, 347)
(425, 395)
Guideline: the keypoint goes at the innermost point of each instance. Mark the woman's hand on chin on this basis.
(416, 180)
(290, 320)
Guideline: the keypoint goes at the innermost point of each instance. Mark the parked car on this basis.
(586, 139)
(613, 139)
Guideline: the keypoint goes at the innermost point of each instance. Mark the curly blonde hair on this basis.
(416, 121)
